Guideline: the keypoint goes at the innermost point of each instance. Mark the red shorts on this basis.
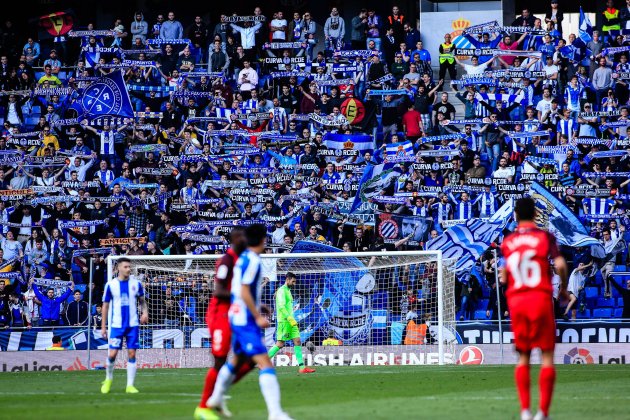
(533, 321)
(220, 336)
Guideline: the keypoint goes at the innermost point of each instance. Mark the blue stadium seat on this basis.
(583, 315)
(481, 315)
(602, 313)
(618, 312)
(605, 302)
(620, 302)
(482, 304)
(615, 293)
(592, 292)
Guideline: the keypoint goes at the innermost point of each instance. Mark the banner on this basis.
(55, 24)
(106, 96)
(363, 143)
(284, 60)
(555, 217)
(70, 224)
(236, 19)
(375, 179)
(392, 228)
(467, 242)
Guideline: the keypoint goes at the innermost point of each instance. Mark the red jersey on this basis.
(223, 277)
(527, 252)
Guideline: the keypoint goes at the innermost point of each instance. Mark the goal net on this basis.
(352, 308)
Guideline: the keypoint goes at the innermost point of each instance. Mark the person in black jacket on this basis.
(625, 294)
(556, 16)
(525, 19)
(78, 311)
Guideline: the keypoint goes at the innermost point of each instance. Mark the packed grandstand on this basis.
(157, 138)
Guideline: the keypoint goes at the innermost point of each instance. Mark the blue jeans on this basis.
(494, 151)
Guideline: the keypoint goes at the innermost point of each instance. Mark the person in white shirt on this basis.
(80, 167)
(46, 180)
(247, 80)
(504, 171)
(278, 28)
(474, 69)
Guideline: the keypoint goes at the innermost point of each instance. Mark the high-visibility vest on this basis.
(399, 19)
(416, 333)
(331, 342)
(610, 14)
(447, 55)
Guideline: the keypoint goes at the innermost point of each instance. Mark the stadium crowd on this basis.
(256, 119)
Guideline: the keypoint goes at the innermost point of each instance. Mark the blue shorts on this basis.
(115, 337)
(247, 340)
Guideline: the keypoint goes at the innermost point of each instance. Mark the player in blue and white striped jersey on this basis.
(246, 322)
(120, 310)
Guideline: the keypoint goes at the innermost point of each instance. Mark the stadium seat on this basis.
(605, 302)
(620, 302)
(583, 315)
(618, 313)
(592, 292)
(615, 293)
(482, 304)
(602, 313)
(481, 315)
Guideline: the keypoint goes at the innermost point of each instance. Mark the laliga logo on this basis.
(578, 356)
(470, 355)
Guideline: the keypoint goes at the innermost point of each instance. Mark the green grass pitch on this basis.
(383, 392)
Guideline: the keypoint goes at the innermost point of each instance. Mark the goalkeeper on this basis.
(287, 325)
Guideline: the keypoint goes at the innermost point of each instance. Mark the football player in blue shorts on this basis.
(246, 322)
(120, 311)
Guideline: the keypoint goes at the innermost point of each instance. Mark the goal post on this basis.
(373, 307)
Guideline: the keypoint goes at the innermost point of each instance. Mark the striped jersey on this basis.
(122, 296)
(248, 271)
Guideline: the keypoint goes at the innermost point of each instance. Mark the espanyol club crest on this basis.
(527, 74)
(388, 229)
(435, 166)
(470, 355)
(520, 187)
(488, 181)
(540, 177)
(286, 60)
(102, 97)
(477, 52)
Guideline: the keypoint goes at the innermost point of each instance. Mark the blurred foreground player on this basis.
(246, 322)
(527, 272)
(218, 323)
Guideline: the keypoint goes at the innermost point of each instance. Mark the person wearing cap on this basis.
(53, 62)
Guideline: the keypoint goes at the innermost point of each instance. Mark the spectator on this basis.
(49, 309)
(139, 28)
(334, 30)
(77, 312)
(360, 30)
(57, 343)
(171, 29)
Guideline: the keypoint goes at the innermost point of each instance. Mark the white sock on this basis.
(109, 370)
(271, 391)
(131, 372)
(224, 380)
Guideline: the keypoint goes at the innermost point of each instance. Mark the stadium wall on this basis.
(488, 354)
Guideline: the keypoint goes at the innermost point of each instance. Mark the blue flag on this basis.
(374, 181)
(400, 149)
(554, 216)
(585, 31)
(106, 96)
(330, 294)
(467, 242)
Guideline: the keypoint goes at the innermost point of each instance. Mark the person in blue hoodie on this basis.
(49, 310)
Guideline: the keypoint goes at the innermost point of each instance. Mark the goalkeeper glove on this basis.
(292, 321)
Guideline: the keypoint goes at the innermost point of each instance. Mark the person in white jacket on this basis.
(139, 28)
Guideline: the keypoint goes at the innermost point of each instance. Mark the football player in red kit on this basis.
(218, 323)
(527, 252)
